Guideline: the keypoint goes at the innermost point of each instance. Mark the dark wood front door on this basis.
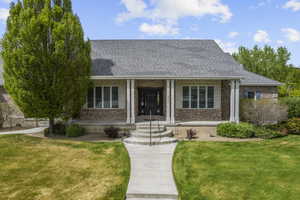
(150, 101)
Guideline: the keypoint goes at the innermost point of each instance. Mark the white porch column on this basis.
(132, 101)
(128, 103)
(237, 102)
(168, 117)
(232, 100)
(173, 101)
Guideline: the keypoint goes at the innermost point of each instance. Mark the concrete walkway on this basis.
(26, 131)
(151, 172)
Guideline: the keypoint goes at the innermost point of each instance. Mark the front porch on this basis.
(169, 102)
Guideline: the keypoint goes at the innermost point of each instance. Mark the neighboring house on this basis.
(174, 81)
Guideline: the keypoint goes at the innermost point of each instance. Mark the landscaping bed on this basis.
(266, 170)
(35, 168)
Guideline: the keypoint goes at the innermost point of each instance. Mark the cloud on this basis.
(279, 42)
(228, 47)
(4, 13)
(6, 1)
(158, 29)
(292, 4)
(170, 11)
(261, 36)
(291, 34)
(233, 34)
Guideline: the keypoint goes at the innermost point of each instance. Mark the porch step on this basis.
(146, 141)
(140, 134)
(153, 130)
(151, 197)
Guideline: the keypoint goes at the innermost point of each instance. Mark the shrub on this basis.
(75, 130)
(264, 133)
(233, 130)
(293, 104)
(112, 132)
(58, 129)
(293, 126)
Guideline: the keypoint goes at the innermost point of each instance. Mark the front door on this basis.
(150, 101)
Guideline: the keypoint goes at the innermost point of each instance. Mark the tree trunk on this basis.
(51, 126)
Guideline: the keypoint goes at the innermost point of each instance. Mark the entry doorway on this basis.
(150, 101)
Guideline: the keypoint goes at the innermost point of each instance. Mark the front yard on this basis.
(265, 170)
(34, 168)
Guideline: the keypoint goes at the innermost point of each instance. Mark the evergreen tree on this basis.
(46, 59)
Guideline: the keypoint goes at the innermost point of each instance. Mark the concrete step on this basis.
(151, 197)
(146, 141)
(138, 133)
(153, 130)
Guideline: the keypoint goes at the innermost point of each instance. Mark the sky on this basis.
(231, 23)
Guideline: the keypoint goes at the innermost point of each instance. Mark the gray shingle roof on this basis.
(161, 58)
(166, 58)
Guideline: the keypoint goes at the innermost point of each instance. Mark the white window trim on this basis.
(102, 103)
(206, 97)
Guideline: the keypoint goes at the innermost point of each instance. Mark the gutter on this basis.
(165, 78)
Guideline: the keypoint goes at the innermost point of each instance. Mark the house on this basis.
(176, 82)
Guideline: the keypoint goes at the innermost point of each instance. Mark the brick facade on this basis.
(185, 115)
(104, 115)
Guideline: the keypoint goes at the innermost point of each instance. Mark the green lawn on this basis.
(34, 168)
(266, 170)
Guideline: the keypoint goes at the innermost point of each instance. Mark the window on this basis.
(98, 97)
(210, 97)
(198, 97)
(255, 95)
(104, 97)
(186, 97)
(115, 97)
(90, 98)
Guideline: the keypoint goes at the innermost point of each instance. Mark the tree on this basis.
(46, 59)
(272, 63)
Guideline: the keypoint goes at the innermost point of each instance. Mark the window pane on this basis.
(186, 97)
(194, 97)
(210, 97)
(202, 98)
(258, 95)
(115, 97)
(106, 97)
(90, 98)
(251, 95)
(98, 97)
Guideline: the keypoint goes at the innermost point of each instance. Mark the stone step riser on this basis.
(152, 130)
(152, 196)
(153, 135)
(148, 142)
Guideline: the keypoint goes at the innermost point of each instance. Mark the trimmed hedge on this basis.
(293, 126)
(233, 130)
(75, 130)
(246, 130)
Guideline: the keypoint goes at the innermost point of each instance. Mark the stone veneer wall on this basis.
(104, 115)
(185, 115)
(225, 100)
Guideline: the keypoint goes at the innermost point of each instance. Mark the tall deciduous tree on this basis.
(272, 63)
(46, 59)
